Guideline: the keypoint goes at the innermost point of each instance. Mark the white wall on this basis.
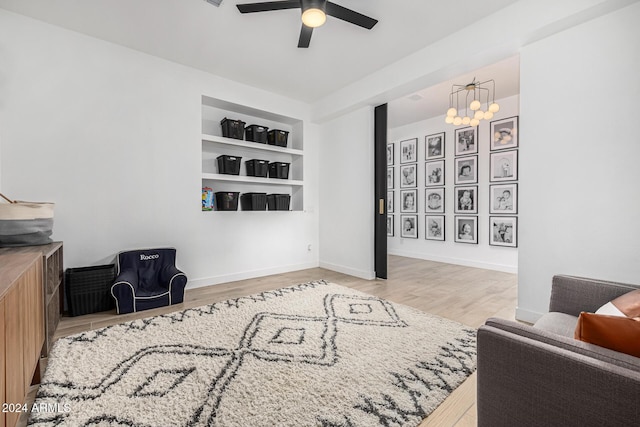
(579, 172)
(112, 136)
(346, 194)
(481, 255)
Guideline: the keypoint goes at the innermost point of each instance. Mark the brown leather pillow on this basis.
(614, 332)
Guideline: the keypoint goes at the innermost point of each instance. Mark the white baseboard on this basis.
(216, 280)
(367, 275)
(457, 261)
(527, 315)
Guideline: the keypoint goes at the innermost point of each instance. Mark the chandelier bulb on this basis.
(494, 108)
(479, 115)
(475, 105)
(448, 119)
(488, 115)
(457, 120)
(474, 122)
(452, 112)
(466, 120)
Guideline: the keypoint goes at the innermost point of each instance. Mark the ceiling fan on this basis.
(314, 14)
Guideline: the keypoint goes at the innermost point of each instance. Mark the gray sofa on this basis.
(541, 376)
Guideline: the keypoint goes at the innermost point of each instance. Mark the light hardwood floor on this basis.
(464, 294)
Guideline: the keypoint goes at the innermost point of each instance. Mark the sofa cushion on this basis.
(557, 323)
(614, 332)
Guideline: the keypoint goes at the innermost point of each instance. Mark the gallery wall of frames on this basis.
(442, 184)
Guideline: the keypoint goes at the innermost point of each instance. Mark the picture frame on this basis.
(434, 175)
(409, 226)
(503, 166)
(434, 227)
(409, 175)
(434, 200)
(390, 230)
(503, 198)
(390, 174)
(466, 170)
(466, 199)
(503, 231)
(466, 229)
(466, 141)
(504, 134)
(409, 150)
(409, 201)
(390, 153)
(434, 146)
(390, 201)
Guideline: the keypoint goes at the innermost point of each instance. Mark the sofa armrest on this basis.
(572, 295)
(529, 377)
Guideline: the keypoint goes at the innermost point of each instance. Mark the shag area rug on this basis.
(315, 354)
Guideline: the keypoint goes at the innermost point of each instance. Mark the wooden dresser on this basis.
(52, 281)
(22, 333)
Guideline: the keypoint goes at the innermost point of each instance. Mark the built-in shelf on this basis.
(251, 145)
(252, 179)
(213, 112)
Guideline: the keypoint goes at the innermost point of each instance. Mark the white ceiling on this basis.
(259, 49)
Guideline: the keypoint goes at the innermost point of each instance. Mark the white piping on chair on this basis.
(171, 283)
(132, 293)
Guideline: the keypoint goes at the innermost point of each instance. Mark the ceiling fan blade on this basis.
(351, 16)
(305, 36)
(268, 5)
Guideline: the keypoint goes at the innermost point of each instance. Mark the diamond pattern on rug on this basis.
(309, 355)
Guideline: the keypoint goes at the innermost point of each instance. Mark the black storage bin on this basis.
(88, 289)
(256, 133)
(232, 128)
(227, 200)
(257, 167)
(277, 137)
(278, 202)
(253, 201)
(229, 165)
(279, 170)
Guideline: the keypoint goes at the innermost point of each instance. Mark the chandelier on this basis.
(472, 112)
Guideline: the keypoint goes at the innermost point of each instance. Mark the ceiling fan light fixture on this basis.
(313, 17)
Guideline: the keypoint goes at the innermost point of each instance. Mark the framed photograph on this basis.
(434, 224)
(390, 153)
(503, 231)
(409, 150)
(504, 166)
(466, 170)
(466, 199)
(390, 204)
(503, 198)
(504, 134)
(466, 229)
(390, 183)
(434, 200)
(434, 173)
(409, 226)
(409, 175)
(434, 146)
(466, 140)
(409, 201)
(389, 225)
